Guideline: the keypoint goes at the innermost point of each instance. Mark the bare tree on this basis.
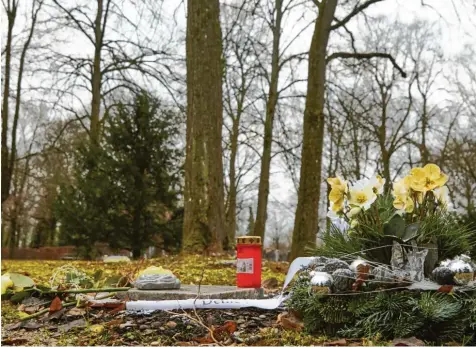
(9, 155)
(117, 60)
(306, 220)
(204, 198)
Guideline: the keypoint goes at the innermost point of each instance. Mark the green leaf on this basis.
(411, 232)
(97, 275)
(21, 281)
(18, 297)
(395, 227)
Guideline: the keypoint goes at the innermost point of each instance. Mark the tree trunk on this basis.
(96, 76)
(263, 190)
(204, 207)
(231, 211)
(306, 220)
(6, 170)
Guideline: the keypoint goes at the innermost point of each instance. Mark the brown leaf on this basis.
(270, 283)
(171, 324)
(80, 323)
(288, 321)
(362, 275)
(14, 342)
(340, 342)
(114, 322)
(117, 309)
(76, 311)
(56, 305)
(445, 289)
(56, 315)
(21, 308)
(31, 309)
(411, 341)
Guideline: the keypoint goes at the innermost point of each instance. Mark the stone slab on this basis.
(191, 292)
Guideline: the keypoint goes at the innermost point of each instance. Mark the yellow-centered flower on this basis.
(362, 196)
(427, 178)
(377, 184)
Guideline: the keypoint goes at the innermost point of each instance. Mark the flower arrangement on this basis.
(417, 209)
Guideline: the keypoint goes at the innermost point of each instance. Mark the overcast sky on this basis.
(454, 17)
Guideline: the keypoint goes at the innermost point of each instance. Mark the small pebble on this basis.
(262, 316)
(143, 327)
(156, 325)
(240, 321)
(155, 343)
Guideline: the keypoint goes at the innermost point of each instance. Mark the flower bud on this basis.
(354, 223)
(354, 212)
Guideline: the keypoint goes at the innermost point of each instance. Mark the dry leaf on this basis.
(76, 311)
(119, 308)
(114, 322)
(411, 341)
(445, 289)
(289, 321)
(362, 275)
(171, 324)
(340, 342)
(14, 342)
(56, 305)
(79, 323)
(270, 283)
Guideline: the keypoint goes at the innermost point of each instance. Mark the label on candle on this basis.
(244, 266)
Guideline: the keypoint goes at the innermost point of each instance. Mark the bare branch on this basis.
(369, 55)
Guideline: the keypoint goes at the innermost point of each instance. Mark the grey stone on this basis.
(343, 280)
(334, 264)
(157, 282)
(193, 291)
(443, 275)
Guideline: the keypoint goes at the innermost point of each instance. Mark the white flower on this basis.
(362, 194)
(442, 194)
(377, 183)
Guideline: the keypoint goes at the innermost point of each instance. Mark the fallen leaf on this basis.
(23, 325)
(56, 305)
(340, 342)
(171, 324)
(14, 341)
(445, 289)
(119, 308)
(289, 321)
(78, 323)
(75, 312)
(56, 315)
(21, 308)
(362, 275)
(270, 283)
(97, 328)
(114, 322)
(31, 309)
(21, 281)
(411, 341)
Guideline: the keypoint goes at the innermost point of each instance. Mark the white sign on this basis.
(244, 266)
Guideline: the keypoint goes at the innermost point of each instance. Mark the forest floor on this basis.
(86, 326)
